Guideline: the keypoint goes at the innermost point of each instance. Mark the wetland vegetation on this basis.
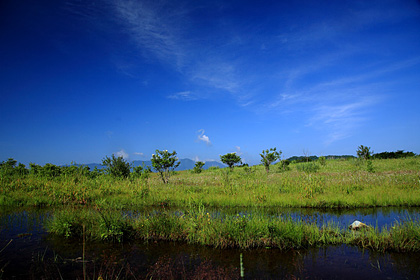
(90, 203)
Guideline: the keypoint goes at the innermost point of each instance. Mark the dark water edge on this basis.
(34, 254)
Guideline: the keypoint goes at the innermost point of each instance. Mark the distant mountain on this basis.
(186, 164)
(213, 163)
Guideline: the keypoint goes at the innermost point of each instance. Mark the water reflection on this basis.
(35, 254)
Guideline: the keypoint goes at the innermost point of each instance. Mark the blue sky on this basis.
(80, 80)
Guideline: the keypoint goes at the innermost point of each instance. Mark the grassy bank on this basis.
(339, 183)
(197, 226)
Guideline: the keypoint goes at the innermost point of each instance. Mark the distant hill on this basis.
(186, 164)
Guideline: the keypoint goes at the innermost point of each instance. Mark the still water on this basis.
(27, 251)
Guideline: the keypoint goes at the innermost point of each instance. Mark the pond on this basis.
(27, 251)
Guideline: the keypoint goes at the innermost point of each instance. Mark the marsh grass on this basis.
(197, 226)
(93, 224)
(400, 237)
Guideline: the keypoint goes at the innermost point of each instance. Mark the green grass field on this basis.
(338, 184)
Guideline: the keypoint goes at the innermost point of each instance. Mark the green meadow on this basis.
(336, 184)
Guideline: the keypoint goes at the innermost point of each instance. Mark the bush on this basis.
(364, 152)
(117, 166)
(283, 165)
(198, 167)
(322, 161)
(142, 172)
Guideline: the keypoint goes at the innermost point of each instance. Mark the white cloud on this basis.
(183, 95)
(139, 154)
(122, 153)
(203, 137)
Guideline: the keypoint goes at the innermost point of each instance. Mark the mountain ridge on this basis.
(186, 164)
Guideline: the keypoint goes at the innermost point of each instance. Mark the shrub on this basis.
(283, 165)
(117, 166)
(198, 167)
(142, 172)
(322, 161)
(369, 166)
(364, 152)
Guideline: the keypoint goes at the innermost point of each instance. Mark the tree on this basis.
(117, 166)
(230, 159)
(364, 152)
(268, 157)
(164, 162)
(198, 167)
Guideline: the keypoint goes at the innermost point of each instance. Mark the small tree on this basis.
(364, 152)
(268, 157)
(230, 159)
(117, 166)
(164, 162)
(198, 167)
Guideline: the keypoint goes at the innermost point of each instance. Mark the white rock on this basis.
(356, 225)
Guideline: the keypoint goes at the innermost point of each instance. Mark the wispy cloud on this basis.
(160, 29)
(139, 154)
(341, 120)
(183, 95)
(153, 29)
(204, 138)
